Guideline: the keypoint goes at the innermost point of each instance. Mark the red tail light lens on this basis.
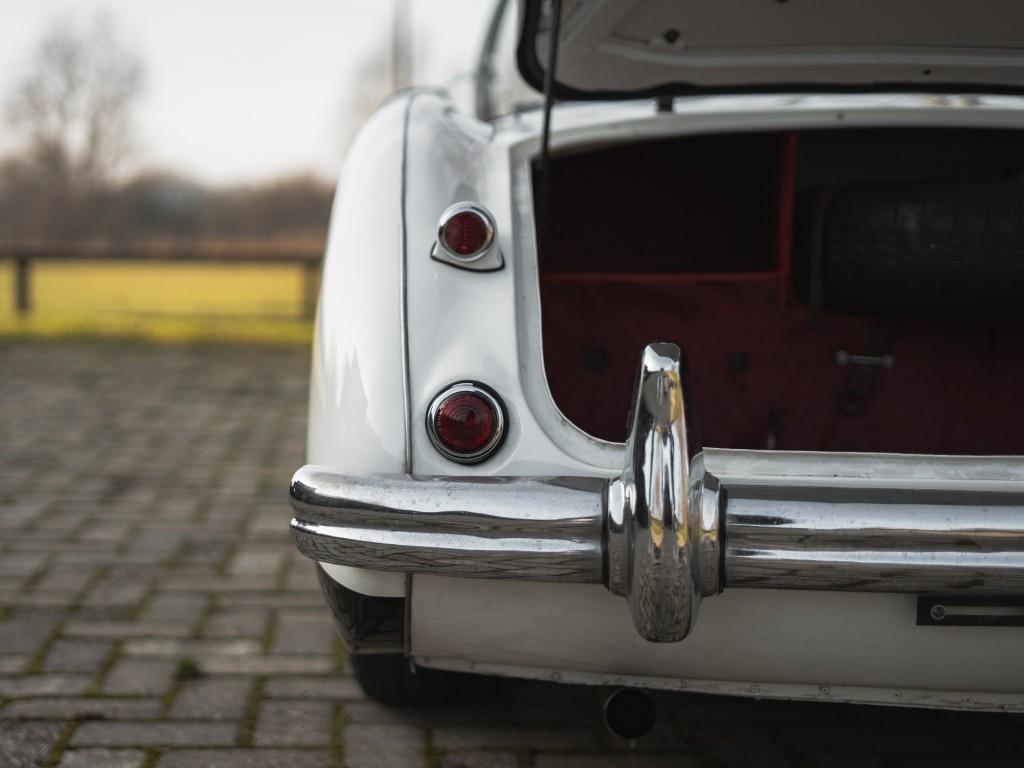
(466, 231)
(466, 422)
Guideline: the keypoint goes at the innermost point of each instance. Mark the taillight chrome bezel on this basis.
(488, 258)
(500, 422)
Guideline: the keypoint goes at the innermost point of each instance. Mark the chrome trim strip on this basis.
(518, 528)
(875, 539)
(404, 304)
(707, 499)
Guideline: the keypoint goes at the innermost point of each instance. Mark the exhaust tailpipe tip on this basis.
(629, 713)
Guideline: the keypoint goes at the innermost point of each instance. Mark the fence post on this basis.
(310, 288)
(22, 287)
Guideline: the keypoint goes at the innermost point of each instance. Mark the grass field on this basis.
(159, 301)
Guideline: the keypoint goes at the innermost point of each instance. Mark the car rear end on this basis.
(755, 362)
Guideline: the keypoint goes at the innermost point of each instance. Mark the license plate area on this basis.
(970, 611)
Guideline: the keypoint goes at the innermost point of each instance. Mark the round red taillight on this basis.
(466, 231)
(466, 422)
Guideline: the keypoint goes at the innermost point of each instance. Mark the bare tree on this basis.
(74, 105)
(73, 110)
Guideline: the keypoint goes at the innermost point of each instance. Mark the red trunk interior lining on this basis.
(764, 375)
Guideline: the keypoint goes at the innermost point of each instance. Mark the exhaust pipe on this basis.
(629, 713)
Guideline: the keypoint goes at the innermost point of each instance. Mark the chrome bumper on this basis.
(667, 532)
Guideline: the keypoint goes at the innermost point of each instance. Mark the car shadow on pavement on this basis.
(730, 731)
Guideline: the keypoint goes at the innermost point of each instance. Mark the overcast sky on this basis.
(241, 90)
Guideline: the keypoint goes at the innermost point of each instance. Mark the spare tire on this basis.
(925, 250)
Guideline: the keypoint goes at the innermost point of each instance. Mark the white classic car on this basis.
(515, 471)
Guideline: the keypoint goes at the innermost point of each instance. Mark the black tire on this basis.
(935, 250)
(391, 679)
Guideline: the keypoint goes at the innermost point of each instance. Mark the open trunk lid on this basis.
(626, 49)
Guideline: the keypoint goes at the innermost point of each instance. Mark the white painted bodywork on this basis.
(632, 46)
(395, 327)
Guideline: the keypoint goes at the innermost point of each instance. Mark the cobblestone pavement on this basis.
(153, 612)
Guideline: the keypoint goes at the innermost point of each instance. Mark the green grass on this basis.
(158, 302)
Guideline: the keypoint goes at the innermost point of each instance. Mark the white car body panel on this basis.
(357, 405)
(763, 643)
(370, 391)
(637, 46)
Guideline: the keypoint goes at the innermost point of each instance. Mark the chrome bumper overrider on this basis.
(667, 532)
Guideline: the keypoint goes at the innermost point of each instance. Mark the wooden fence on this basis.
(306, 256)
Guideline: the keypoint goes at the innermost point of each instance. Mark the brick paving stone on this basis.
(21, 564)
(245, 758)
(266, 665)
(257, 563)
(302, 577)
(125, 629)
(61, 578)
(106, 531)
(13, 517)
(82, 707)
(479, 759)
(74, 655)
(45, 685)
(212, 699)
(58, 540)
(983, 734)
(279, 599)
(294, 724)
(892, 740)
(21, 598)
(125, 733)
(952, 762)
(177, 508)
(89, 559)
(155, 544)
(562, 738)
(121, 590)
(102, 758)
(203, 583)
(369, 711)
(180, 647)
(834, 759)
(205, 554)
(304, 632)
(268, 524)
(171, 606)
(12, 664)
(27, 745)
(141, 677)
(25, 635)
(333, 687)
(383, 746)
(625, 760)
(12, 583)
(237, 622)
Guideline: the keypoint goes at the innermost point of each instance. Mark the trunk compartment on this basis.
(769, 257)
